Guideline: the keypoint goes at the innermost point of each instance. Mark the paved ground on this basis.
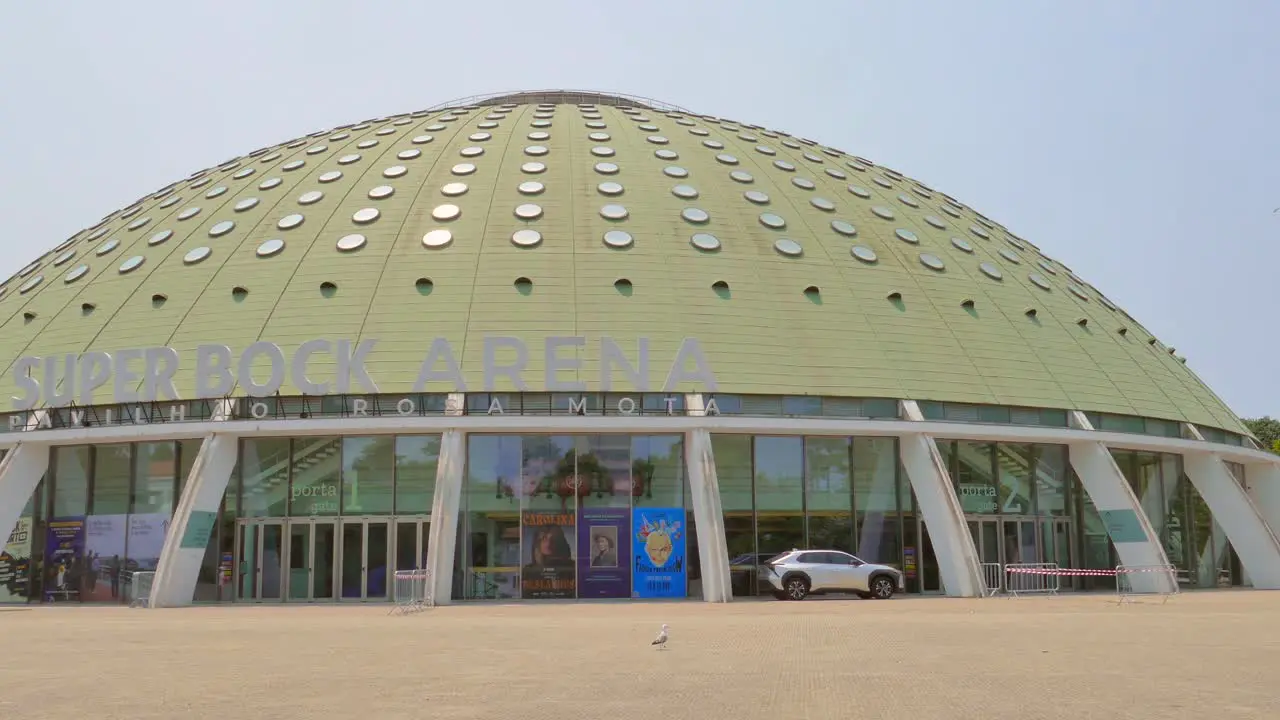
(1202, 655)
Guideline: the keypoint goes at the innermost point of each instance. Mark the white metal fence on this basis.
(1135, 580)
(138, 588)
(992, 579)
(411, 591)
(1032, 579)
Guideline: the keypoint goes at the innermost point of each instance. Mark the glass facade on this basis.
(328, 518)
(101, 514)
(563, 516)
(1194, 542)
(778, 493)
(321, 518)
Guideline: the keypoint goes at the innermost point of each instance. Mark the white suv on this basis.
(797, 574)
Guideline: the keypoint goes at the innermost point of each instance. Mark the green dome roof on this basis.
(800, 268)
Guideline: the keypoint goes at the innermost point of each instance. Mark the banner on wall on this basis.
(104, 557)
(658, 565)
(63, 559)
(15, 563)
(146, 539)
(548, 554)
(604, 549)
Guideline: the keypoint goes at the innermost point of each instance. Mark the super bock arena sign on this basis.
(146, 375)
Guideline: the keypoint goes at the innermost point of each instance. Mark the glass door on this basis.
(311, 560)
(260, 551)
(366, 546)
(411, 543)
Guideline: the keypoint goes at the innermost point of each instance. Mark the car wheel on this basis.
(882, 587)
(797, 588)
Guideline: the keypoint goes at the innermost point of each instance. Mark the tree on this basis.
(1267, 430)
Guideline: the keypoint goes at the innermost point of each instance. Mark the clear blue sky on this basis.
(1134, 140)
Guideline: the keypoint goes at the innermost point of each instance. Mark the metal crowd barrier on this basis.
(1135, 580)
(993, 579)
(138, 589)
(410, 591)
(1032, 578)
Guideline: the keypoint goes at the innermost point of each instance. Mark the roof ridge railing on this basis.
(568, 95)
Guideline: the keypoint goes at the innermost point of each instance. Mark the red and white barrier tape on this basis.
(1095, 573)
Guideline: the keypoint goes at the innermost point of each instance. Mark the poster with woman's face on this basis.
(547, 554)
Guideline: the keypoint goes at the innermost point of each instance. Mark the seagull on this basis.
(661, 640)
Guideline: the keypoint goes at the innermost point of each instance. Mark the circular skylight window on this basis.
(741, 176)
(365, 215)
(610, 188)
(527, 211)
(453, 189)
(907, 236)
(1040, 281)
(530, 187)
(463, 169)
(199, 254)
(245, 204)
(76, 273)
(157, 239)
(705, 241)
(446, 212)
(613, 212)
(606, 168)
(270, 247)
(436, 239)
(979, 232)
(381, 192)
(526, 238)
(618, 239)
(962, 244)
(933, 262)
(675, 171)
(666, 154)
(409, 154)
(686, 192)
(788, 247)
(803, 183)
(935, 221)
(330, 176)
(844, 228)
(352, 242)
(772, 220)
(289, 222)
(533, 168)
(860, 191)
(1010, 255)
(222, 228)
(882, 212)
(536, 150)
(822, 204)
(863, 253)
(395, 171)
(756, 197)
(602, 151)
(991, 271)
(695, 215)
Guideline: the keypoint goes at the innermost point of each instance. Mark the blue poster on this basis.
(658, 553)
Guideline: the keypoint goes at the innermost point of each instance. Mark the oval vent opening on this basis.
(158, 300)
(721, 288)
(623, 286)
(424, 286)
(328, 289)
(813, 294)
(1030, 312)
(524, 285)
(1082, 322)
(239, 293)
(967, 304)
(87, 308)
(28, 317)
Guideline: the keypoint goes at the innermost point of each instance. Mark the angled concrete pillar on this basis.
(195, 516)
(1135, 540)
(193, 521)
(1254, 541)
(708, 513)
(958, 561)
(1263, 482)
(20, 473)
(443, 539)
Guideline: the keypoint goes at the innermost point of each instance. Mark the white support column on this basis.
(20, 473)
(958, 561)
(193, 522)
(1263, 482)
(443, 539)
(195, 516)
(708, 513)
(1135, 540)
(1254, 542)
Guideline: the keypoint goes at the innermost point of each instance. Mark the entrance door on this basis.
(1008, 540)
(260, 550)
(366, 545)
(411, 542)
(311, 560)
